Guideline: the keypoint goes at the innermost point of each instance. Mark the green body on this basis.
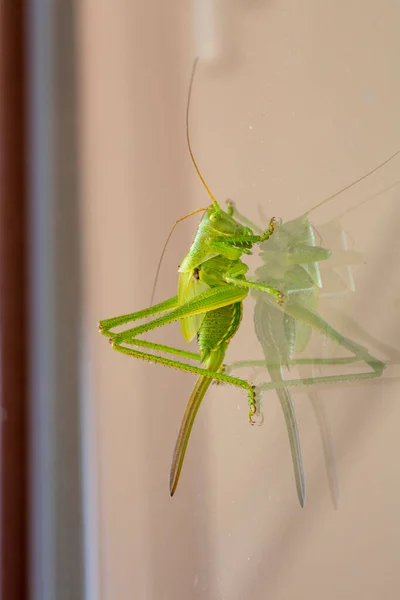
(211, 288)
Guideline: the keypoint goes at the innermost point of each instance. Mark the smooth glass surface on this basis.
(299, 101)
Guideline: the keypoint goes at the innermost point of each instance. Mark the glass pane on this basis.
(300, 101)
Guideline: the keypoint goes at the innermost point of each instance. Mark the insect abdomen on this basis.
(218, 326)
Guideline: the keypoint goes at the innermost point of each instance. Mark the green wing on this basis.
(189, 287)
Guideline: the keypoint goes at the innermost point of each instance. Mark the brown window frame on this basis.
(13, 307)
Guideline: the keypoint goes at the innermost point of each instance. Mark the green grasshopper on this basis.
(211, 289)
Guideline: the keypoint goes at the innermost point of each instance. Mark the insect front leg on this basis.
(241, 241)
(262, 287)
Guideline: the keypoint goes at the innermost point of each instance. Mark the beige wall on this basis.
(302, 99)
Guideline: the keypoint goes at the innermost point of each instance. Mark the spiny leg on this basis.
(262, 287)
(208, 301)
(167, 349)
(188, 368)
(107, 324)
(212, 299)
(206, 376)
(252, 239)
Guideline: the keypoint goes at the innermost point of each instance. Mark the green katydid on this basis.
(211, 289)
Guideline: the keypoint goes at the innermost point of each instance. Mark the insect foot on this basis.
(281, 299)
(255, 415)
(272, 224)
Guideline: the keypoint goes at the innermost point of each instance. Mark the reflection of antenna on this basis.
(349, 210)
(386, 189)
(347, 187)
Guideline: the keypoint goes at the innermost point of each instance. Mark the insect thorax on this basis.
(213, 271)
(213, 238)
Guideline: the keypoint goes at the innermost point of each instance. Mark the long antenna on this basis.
(347, 187)
(187, 131)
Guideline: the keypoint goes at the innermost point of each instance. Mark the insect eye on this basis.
(213, 217)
